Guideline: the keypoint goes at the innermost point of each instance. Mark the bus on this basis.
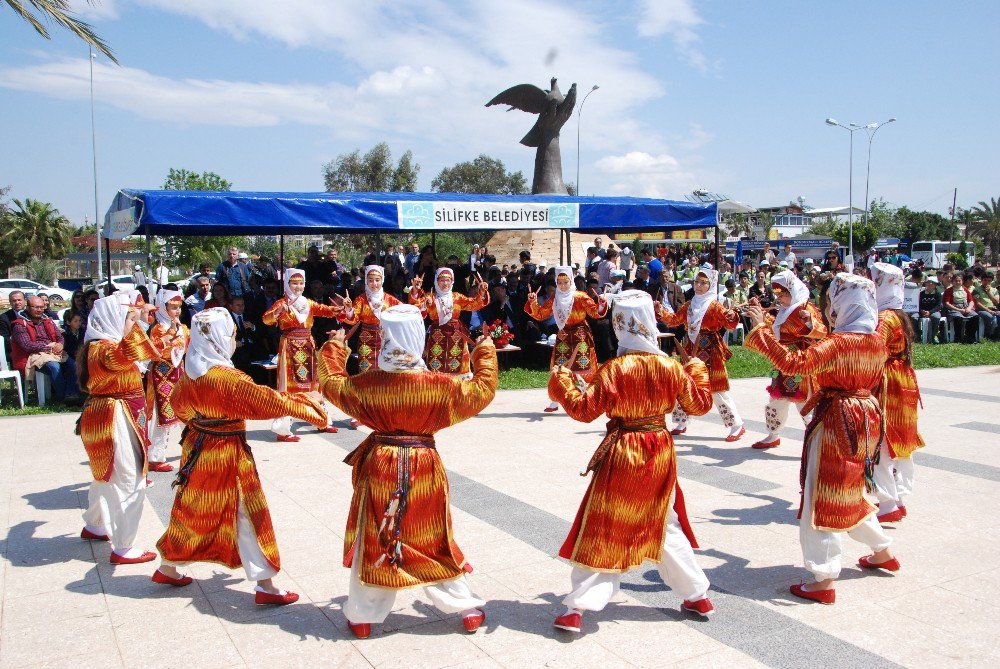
(934, 254)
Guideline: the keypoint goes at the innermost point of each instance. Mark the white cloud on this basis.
(678, 19)
(645, 175)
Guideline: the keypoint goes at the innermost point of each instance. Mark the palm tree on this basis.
(38, 229)
(986, 225)
(59, 12)
(740, 226)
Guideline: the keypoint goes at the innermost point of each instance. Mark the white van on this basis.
(934, 254)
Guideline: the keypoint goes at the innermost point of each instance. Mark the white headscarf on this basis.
(375, 298)
(297, 303)
(562, 305)
(162, 297)
(794, 287)
(106, 320)
(634, 322)
(402, 339)
(700, 303)
(444, 298)
(212, 342)
(132, 298)
(852, 304)
(889, 285)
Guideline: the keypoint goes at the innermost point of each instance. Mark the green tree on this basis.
(865, 234)
(60, 13)
(372, 172)
(986, 226)
(189, 252)
(38, 230)
(738, 225)
(482, 175)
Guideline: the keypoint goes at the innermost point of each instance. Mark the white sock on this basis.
(280, 593)
(553, 405)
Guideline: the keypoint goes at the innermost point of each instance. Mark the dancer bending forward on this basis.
(706, 320)
(220, 514)
(633, 510)
(399, 528)
(843, 438)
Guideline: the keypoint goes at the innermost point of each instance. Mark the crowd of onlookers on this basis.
(946, 305)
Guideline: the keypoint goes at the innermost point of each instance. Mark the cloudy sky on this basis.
(728, 96)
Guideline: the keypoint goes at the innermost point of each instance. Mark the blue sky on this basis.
(728, 96)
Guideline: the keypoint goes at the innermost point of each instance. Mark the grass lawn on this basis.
(744, 364)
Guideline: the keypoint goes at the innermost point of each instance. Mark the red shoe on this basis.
(703, 607)
(160, 467)
(474, 620)
(149, 483)
(892, 564)
(569, 622)
(287, 437)
(87, 534)
(891, 517)
(467, 567)
(329, 429)
(148, 556)
(822, 596)
(360, 630)
(760, 445)
(736, 437)
(265, 598)
(550, 409)
(902, 510)
(354, 425)
(678, 430)
(160, 577)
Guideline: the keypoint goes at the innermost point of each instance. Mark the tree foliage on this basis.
(189, 252)
(60, 12)
(34, 229)
(482, 175)
(865, 234)
(985, 225)
(372, 172)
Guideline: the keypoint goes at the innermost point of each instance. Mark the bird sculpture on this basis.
(553, 110)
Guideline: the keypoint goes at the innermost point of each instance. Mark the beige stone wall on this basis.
(543, 244)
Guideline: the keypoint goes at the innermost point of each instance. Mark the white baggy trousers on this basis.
(821, 549)
(371, 604)
(114, 507)
(592, 590)
(159, 435)
(726, 406)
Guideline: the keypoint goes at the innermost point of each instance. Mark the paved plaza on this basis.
(515, 488)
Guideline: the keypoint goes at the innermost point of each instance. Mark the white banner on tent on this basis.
(446, 215)
(120, 224)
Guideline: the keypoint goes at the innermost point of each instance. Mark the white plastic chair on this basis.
(7, 373)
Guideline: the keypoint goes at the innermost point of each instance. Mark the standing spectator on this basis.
(960, 308)
(654, 265)
(789, 256)
(393, 271)
(988, 305)
(524, 257)
(18, 304)
(411, 260)
(605, 267)
(601, 252)
(626, 260)
(139, 276)
(235, 275)
(38, 348)
(161, 274)
(767, 255)
(263, 269)
(474, 258)
(593, 259)
(203, 291)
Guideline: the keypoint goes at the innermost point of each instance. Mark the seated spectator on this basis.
(72, 332)
(220, 296)
(987, 305)
(960, 310)
(762, 289)
(48, 309)
(929, 306)
(246, 335)
(38, 348)
(641, 281)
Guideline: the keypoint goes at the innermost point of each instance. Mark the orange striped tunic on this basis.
(223, 473)
(898, 391)
(797, 334)
(446, 350)
(370, 337)
(114, 379)
(297, 350)
(622, 517)
(162, 373)
(847, 418)
(711, 346)
(575, 335)
(415, 403)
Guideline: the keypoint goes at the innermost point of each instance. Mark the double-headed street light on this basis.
(871, 129)
(579, 113)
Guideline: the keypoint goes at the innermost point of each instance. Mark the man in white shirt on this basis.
(625, 261)
(789, 256)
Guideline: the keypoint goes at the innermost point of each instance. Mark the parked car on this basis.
(118, 282)
(57, 296)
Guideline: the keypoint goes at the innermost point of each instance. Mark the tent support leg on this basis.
(281, 257)
(149, 257)
(718, 254)
(561, 245)
(569, 248)
(107, 254)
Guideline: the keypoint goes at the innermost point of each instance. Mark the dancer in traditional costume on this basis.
(843, 437)
(220, 514)
(399, 532)
(113, 423)
(898, 394)
(633, 510)
(798, 324)
(448, 340)
(367, 310)
(170, 338)
(706, 320)
(294, 314)
(574, 341)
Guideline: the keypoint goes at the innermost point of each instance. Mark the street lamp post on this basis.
(851, 128)
(871, 129)
(579, 113)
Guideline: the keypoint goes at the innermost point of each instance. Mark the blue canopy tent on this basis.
(177, 212)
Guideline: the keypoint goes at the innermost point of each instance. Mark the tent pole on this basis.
(107, 254)
(569, 248)
(561, 245)
(281, 256)
(149, 257)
